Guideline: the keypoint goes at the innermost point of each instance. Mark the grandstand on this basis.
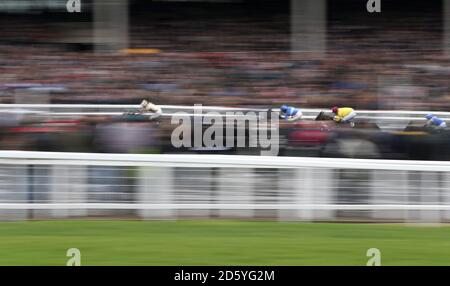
(83, 164)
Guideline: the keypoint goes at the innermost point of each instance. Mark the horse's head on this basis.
(322, 116)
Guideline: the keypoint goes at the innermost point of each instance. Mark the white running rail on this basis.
(43, 185)
(117, 109)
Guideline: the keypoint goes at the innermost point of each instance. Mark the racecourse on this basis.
(220, 243)
(78, 110)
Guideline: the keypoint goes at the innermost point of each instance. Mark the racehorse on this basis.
(361, 124)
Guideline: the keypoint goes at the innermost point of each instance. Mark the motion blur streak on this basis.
(40, 185)
(357, 104)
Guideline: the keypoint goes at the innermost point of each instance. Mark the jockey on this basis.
(290, 113)
(343, 114)
(148, 106)
(435, 121)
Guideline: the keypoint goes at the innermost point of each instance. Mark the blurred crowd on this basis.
(180, 57)
(233, 62)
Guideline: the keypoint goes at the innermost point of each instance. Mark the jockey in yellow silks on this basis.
(343, 114)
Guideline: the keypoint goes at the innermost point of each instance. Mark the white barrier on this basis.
(60, 185)
(117, 109)
(217, 161)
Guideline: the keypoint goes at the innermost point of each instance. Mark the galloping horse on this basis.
(361, 124)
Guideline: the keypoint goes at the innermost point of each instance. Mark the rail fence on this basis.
(382, 116)
(47, 185)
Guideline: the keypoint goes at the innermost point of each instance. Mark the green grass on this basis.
(220, 243)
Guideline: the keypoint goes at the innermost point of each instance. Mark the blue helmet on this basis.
(284, 108)
(429, 116)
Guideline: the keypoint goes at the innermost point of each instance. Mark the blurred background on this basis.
(241, 53)
(69, 82)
